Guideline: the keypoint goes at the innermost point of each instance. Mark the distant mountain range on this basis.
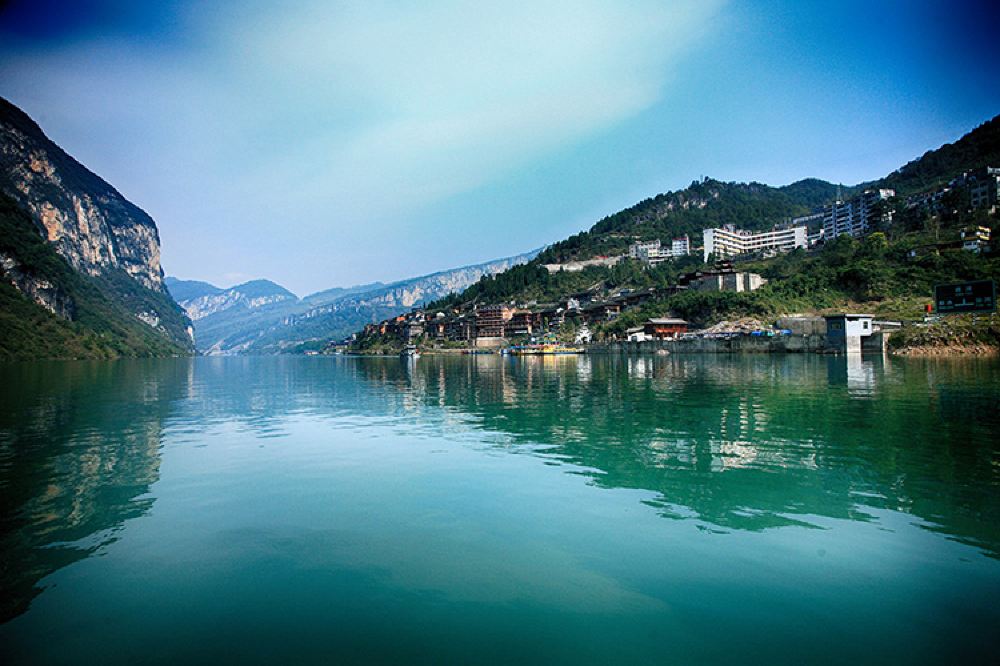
(264, 317)
(80, 272)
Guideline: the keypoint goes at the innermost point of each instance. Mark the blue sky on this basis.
(321, 144)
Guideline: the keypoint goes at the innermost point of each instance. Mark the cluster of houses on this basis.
(485, 325)
(491, 325)
(982, 185)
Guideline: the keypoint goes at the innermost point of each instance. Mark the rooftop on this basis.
(849, 315)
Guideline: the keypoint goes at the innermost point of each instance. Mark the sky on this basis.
(322, 144)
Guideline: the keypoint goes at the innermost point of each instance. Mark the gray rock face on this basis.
(205, 306)
(414, 291)
(262, 317)
(87, 221)
(40, 290)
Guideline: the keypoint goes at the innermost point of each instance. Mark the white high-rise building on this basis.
(730, 242)
(856, 217)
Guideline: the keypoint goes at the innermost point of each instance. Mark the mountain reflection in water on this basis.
(744, 442)
(467, 497)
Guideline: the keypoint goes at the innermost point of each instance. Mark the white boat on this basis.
(410, 351)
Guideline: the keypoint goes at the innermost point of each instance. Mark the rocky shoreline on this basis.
(948, 350)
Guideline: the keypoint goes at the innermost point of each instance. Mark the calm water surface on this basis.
(478, 509)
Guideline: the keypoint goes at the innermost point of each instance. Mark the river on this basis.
(593, 509)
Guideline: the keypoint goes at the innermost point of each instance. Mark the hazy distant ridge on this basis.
(263, 317)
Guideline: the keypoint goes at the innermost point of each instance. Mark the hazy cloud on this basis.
(342, 117)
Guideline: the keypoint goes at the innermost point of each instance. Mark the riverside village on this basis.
(727, 261)
(587, 333)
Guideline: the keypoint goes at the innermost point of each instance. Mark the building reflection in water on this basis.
(741, 442)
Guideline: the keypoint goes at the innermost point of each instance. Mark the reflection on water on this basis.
(746, 442)
(79, 448)
(744, 445)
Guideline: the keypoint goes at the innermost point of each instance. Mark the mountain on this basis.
(186, 290)
(239, 312)
(96, 267)
(711, 203)
(263, 317)
(201, 299)
(755, 206)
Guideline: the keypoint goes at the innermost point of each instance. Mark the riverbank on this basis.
(948, 350)
(952, 336)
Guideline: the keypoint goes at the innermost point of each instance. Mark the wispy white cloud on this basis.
(430, 102)
(344, 117)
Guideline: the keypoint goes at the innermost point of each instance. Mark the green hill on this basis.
(799, 281)
(703, 204)
(935, 168)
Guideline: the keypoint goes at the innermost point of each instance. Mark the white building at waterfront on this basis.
(729, 241)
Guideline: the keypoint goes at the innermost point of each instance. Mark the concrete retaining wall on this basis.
(747, 344)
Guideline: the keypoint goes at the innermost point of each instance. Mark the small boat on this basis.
(549, 346)
(544, 350)
(410, 351)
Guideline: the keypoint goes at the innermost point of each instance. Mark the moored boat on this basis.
(547, 349)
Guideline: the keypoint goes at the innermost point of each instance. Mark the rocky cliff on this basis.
(88, 222)
(111, 250)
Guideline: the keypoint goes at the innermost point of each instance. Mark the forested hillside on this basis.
(935, 168)
(710, 203)
(703, 204)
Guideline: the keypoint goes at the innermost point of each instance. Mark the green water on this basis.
(487, 510)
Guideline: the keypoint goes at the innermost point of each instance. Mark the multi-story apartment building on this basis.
(491, 320)
(644, 250)
(984, 187)
(652, 252)
(813, 224)
(857, 217)
(522, 322)
(730, 241)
